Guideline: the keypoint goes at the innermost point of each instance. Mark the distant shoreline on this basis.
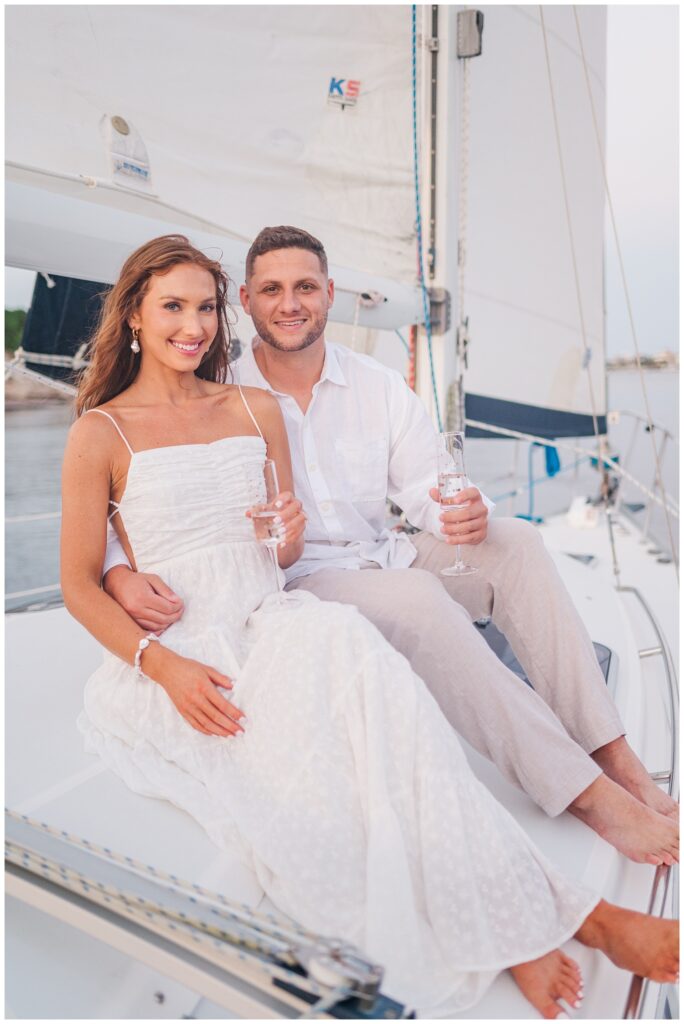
(666, 361)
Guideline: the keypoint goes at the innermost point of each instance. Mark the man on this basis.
(358, 435)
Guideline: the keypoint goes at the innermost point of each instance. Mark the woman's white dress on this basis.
(349, 793)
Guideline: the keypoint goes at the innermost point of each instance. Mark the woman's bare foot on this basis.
(620, 763)
(627, 824)
(647, 946)
(551, 977)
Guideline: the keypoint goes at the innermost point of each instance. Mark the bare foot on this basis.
(623, 821)
(647, 946)
(620, 763)
(551, 977)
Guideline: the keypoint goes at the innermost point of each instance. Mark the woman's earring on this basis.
(135, 344)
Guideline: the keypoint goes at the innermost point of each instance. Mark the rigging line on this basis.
(419, 220)
(580, 306)
(541, 480)
(523, 12)
(507, 304)
(632, 325)
(402, 339)
(464, 172)
(575, 449)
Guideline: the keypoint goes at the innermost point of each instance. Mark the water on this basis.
(35, 437)
(34, 443)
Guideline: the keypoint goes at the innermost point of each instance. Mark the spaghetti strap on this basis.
(118, 428)
(251, 414)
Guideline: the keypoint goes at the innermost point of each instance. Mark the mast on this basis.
(447, 38)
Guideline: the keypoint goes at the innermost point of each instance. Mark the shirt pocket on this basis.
(362, 469)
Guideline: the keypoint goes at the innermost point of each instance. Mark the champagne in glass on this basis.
(451, 479)
(268, 531)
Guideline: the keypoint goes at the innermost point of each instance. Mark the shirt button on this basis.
(325, 507)
(312, 467)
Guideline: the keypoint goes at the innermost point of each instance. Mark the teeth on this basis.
(186, 348)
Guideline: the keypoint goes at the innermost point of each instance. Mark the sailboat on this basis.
(452, 163)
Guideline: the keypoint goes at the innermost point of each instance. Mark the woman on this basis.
(292, 731)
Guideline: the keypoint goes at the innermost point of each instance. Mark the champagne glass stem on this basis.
(274, 557)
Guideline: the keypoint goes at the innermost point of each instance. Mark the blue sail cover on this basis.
(529, 419)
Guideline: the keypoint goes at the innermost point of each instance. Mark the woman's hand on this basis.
(290, 518)
(192, 687)
(291, 523)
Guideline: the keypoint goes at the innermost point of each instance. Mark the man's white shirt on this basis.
(364, 437)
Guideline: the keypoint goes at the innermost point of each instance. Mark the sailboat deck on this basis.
(55, 781)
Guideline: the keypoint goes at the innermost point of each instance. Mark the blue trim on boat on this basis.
(528, 419)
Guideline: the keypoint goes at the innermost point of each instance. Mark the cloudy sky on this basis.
(642, 148)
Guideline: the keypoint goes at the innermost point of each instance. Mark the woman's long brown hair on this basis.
(113, 365)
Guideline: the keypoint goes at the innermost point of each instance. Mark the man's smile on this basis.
(292, 324)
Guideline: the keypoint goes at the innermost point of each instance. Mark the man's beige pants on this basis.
(542, 738)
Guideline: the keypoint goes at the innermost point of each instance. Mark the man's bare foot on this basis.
(551, 977)
(623, 821)
(620, 763)
(647, 946)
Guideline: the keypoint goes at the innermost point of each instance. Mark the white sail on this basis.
(528, 367)
(249, 115)
(245, 116)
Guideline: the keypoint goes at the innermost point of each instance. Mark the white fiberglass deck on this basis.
(50, 778)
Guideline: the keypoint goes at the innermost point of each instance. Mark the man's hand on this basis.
(464, 525)
(145, 597)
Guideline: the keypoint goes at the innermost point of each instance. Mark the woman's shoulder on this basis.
(96, 423)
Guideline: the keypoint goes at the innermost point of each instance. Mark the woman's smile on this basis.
(188, 348)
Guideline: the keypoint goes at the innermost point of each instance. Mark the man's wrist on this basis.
(115, 573)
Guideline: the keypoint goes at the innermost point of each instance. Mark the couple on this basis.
(296, 732)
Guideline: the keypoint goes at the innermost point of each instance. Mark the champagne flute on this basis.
(268, 531)
(452, 479)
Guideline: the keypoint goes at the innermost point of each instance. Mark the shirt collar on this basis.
(332, 370)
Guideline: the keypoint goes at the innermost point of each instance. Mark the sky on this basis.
(642, 160)
(642, 148)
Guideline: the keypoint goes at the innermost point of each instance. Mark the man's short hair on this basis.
(284, 237)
